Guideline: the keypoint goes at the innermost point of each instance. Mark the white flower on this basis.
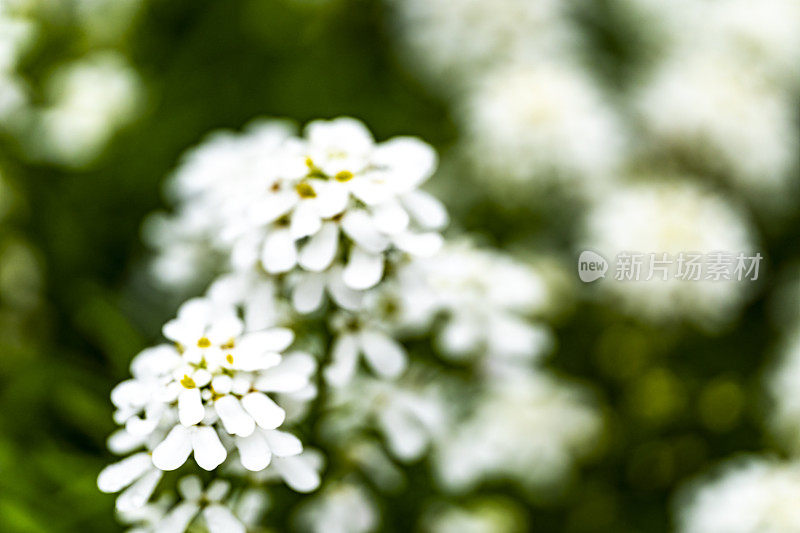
(409, 414)
(332, 201)
(711, 109)
(340, 508)
(540, 122)
(751, 495)
(300, 472)
(454, 42)
(360, 334)
(487, 300)
(526, 427)
(209, 394)
(671, 217)
(208, 503)
(91, 98)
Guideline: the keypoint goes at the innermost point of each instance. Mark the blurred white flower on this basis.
(409, 414)
(526, 427)
(671, 217)
(751, 495)
(542, 122)
(707, 106)
(487, 300)
(90, 99)
(339, 508)
(456, 41)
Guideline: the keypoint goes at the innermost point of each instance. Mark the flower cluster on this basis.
(331, 256)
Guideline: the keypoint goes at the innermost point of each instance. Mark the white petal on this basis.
(305, 221)
(411, 159)
(254, 452)
(235, 420)
(359, 226)
(178, 518)
(390, 218)
(123, 441)
(308, 293)
(219, 519)
(190, 407)
(290, 376)
(117, 476)
(343, 295)
(297, 473)
(318, 253)
(419, 244)
(270, 340)
(384, 355)
(190, 487)
(224, 328)
(217, 490)
(331, 199)
(173, 450)
(137, 495)
(283, 444)
(344, 357)
(208, 450)
(427, 210)
(264, 411)
(363, 270)
(279, 253)
(405, 435)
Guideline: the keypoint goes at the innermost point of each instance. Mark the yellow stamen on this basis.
(203, 342)
(309, 162)
(305, 190)
(228, 345)
(188, 382)
(229, 358)
(344, 175)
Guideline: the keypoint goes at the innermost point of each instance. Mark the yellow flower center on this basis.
(229, 359)
(305, 190)
(343, 176)
(188, 382)
(203, 342)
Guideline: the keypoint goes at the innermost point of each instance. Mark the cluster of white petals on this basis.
(671, 217)
(454, 40)
(526, 426)
(207, 395)
(330, 205)
(723, 89)
(328, 235)
(751, 495)
(545, 122)
(89, 99)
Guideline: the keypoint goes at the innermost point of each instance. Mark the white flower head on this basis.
(339, 508)
(527, 427)
(750, 495)
(542, 122)
(331, 201)
(210, 393)
(671, 217)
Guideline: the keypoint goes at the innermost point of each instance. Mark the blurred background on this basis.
(609, 125)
